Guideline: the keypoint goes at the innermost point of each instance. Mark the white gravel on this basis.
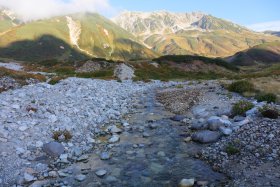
(29, 115)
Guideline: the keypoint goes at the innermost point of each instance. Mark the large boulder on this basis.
(206, 136)
(124, 72)
(216, 122)
(53, 149)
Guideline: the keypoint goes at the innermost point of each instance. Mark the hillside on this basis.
(275, 33)
(7, 20)
(72, 37)
(268, 53)
(190, 33)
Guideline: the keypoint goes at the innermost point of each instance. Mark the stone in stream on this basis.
(186, 183)
(114, 129)
(206, 136)
(114, 139)
(105, 156)
(80, 177)
(54, 149)
(177, 118)
(101, 172)
(215, 122)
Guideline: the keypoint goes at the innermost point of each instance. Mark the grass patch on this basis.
(241, 87)
(232, 150)
(268, 97)
(241, 107)
(62, 135)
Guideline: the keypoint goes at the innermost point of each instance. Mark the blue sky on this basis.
(245, 12)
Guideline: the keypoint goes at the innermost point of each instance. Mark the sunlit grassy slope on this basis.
(99, 37)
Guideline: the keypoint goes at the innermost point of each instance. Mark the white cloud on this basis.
(266, 26)
(38, 9)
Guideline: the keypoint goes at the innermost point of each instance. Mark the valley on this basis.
(140, 99)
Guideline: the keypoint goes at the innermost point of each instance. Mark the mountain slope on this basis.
(275, 33)
(267, 53)
(70, 38)
(7, 20)
(194, 33)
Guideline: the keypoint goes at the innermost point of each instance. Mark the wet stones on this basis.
(101, 172)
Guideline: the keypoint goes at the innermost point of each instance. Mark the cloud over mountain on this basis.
(38, 9)
(266, 26)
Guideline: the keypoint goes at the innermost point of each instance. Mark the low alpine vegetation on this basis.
(241, 87)
(268, 97)
(62, 135)
(269, 112)
(241, 107)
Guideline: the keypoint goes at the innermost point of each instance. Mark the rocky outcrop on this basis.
(124, 72)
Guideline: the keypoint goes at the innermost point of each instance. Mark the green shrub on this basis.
(232, 150)
(269, 97)
(241, 107)
(55, 80)
(241, 87)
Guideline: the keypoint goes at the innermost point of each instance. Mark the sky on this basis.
(256, 14)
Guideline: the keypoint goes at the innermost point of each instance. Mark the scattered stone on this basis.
(186, 183)
(114, 129)
(206, 136)
(216, 122)
(28, 177)
(146, 135)
(114, 139)
(177, 118)
(105, 156)
(80, 177)
(53, 149)
(82, 158)
(53, 174)
(101, 172)
(188, 139)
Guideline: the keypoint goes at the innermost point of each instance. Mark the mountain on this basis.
(268, 53)
(275, 33)
(190, 33)
(72, 37)
(8, 20)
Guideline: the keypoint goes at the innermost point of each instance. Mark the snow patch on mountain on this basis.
(75, 32)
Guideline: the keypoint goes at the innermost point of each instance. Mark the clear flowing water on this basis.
(160, 159)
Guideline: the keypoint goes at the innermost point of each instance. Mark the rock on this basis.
(253, 112)
(188, 139)
(238, 118)
(101, 172)
(23, 128)
(39, 144)
(199, 126)
(53, 174)
(125, 124)
(62, 174)
(114, 139)
(124, 72)
(111, 179)
(20, 150)
(80, 177)
(152, 126)
(114, 129)
(215, 122)
(186, 183)
(28, 177)
(53, 149)
(206, 136)
(177, 118)
(82, 158)
(225, 131)
(146, 135)
(161, 154)
(105, 156)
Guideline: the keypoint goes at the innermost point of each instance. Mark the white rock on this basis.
(101, 172)
(28, 177)
(186, 183)
(23, 128)
(114, 139)
(39, 144)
